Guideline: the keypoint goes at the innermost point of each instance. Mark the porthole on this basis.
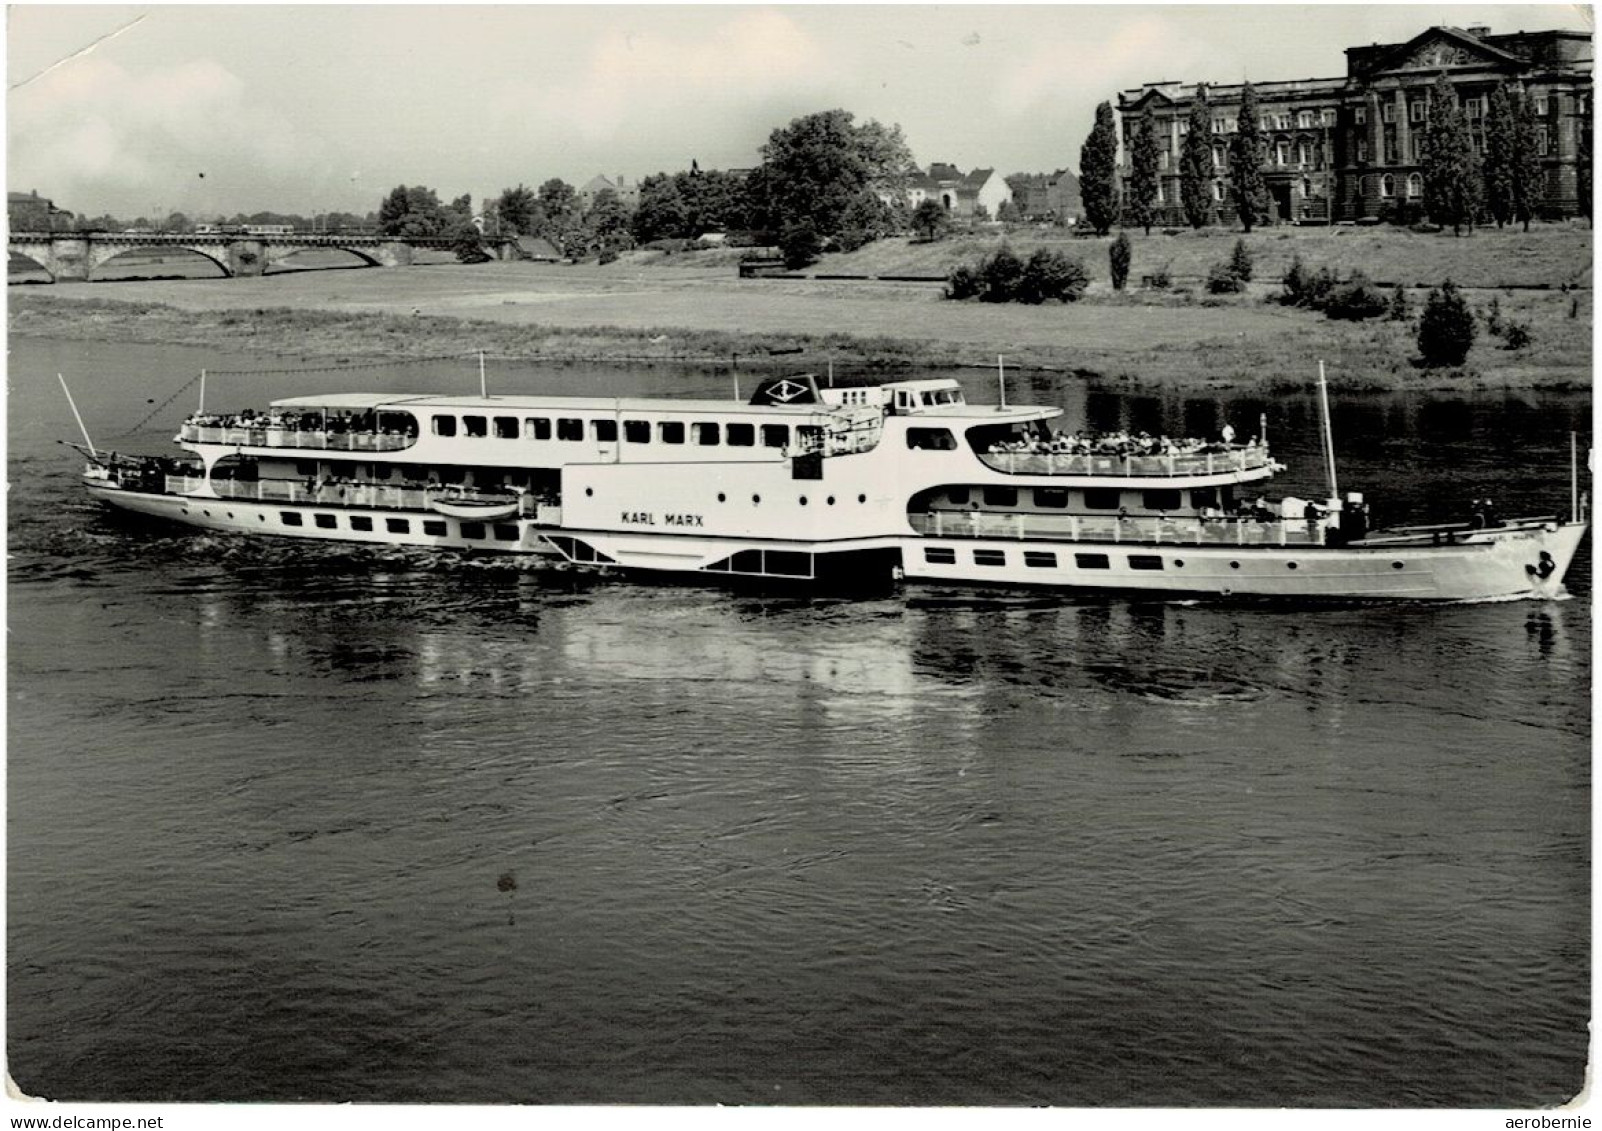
(722, 498)
(230, 514)
(589, 492)
(1234, 565)
(1290, 565)
(261, 518)
(756, 500)
(185, 510)
(831, 500)
(862, 498)
(1398, 565)
(803, 500)
(1179, 563)
(206, 513)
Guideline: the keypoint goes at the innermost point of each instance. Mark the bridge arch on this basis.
(282, 258)
(102, 256)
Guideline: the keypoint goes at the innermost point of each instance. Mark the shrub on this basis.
(1222, 280)
(1052, 276)
(1003, 277)
(1304, 287)
(1000, 275)
(1399, 304)
(800, 245)
(1118, 257)
(1493, 316)
(1240, 262)
(1162, 278)
(1355, 300)
(962, 283)
(1516, 335)
(1446, 328)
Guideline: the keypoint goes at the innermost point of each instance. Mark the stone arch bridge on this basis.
(74, 256)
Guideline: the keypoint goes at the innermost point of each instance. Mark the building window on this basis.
(1162, 195)
(1231, 125)
(1540, 106)
(1162, 159)
(1362, 151)
(1387, 186)
(1218, 190)
(989, 558)
(434, 527)
(289, 518)
(637, 431)
(741, 435)
(1388, 113)
(1145, 561)
(936, 556)
(1218, 157)
(775, 435)
(1282, 153)
(1218, 125)
(444, 426)
(1162, 499)
(505, 532)
(1418, 110)
(1360, 115)
(1283, 122)
(506, 427)
(1001, 496)
(537, 427)
(361, 522)
(1474, 108)
(1102, 498)
(1304, 119)
(671, 431)
(1184, 127)
(1415, 185)
(569, 428)
(1055, 498)
(1329, 117)
(476, 426)
(325, 521)
(1304, 153)
(473, 530)
(1092, 561)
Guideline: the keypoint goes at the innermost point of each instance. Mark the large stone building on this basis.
(30, 212)
(1349, 148)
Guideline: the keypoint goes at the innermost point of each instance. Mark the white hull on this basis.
(1490, 566)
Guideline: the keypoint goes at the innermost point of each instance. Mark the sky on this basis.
(213, 110)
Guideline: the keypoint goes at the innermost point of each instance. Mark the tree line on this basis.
(1462, 187)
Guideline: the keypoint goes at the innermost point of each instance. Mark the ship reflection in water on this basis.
(299, 823)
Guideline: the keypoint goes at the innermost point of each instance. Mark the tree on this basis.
(606, 224)
(1196, 163)
(391, 211)
(1246, 161)
(1008, 212)
(1098, 171)
(1240, 262)
(1451, 174)
(1527, 177)
(1118, 257)
(518, 210)
(930, 220)
(661, 213)
(800, 245)
(1499, 143)
(816, 169)
(1446, 328)
(865, 219)
(1145, 162)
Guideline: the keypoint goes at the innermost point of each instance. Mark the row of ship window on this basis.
(432, 527)
(1096, 498)
(705, 433)
(1044, 559)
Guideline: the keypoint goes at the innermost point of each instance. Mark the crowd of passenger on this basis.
(336, 423)
(1119, 444)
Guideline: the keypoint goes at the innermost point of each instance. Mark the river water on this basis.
(289, 822)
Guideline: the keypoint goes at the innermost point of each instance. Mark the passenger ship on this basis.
(903, 479)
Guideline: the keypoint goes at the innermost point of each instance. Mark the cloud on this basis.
(94, 135)
(635, 75)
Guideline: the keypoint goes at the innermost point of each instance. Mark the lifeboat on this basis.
(476, 508)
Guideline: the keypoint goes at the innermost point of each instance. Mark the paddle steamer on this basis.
(808, 483)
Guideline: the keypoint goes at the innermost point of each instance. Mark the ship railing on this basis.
(296, 438)
(1234, 461)
(294, 491)
(847, 431)
(1110, 528)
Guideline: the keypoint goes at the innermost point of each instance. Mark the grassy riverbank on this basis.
(634, 312)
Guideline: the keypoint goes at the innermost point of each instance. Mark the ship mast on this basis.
(1328, 434)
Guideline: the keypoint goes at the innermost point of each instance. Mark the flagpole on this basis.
(1329, 435)
(1001, 380)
